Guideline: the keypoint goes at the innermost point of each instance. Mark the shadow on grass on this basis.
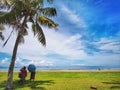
(34, 85)
(115, 84)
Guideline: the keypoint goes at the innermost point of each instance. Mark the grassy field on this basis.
(47, 80)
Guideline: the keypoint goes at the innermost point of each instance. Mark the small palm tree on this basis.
(19, 13)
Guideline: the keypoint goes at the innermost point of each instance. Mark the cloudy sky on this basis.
(89, 34)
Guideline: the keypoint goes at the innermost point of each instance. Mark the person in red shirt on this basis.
(23, 74)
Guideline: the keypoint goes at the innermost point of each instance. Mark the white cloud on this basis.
(4, 61)
(68, 46)
(41, 62)
(109, 44)
(35, 60)
(20, 62)
(73, 17)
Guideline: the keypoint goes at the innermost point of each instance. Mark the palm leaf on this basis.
(49, 11)
(21, 40)
(8, 38)
(15, 13)
(47, 22)
(38, 32)
(34, 29)
(1, 27)
(40, 35)
(7, 18)
(6, 3)
(1, 36)
(50, 1)
(25, 32)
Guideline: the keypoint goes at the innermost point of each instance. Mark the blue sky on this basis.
(89, 34)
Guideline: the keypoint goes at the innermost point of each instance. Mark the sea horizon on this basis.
(38, 68)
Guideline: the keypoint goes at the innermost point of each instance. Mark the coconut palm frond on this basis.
(50, 1)
(34, 29)
(2, 13)
(1, 27)
(10, 17)
(40, 1)
(40, 35)
(7, 18)
(49, 11)
(21, 40)
(1, 36)
(31, 19)
(38, 32)
(8, 38)
(25, 32)
(6, 3)
(47, 22)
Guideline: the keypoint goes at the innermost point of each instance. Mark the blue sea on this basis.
(68, 68)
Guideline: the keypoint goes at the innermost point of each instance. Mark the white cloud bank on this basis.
(69, 47)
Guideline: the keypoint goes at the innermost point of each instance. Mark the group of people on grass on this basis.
(23, 73)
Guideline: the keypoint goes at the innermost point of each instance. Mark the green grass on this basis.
(66, 81)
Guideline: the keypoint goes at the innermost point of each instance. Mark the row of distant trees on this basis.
(17, 14)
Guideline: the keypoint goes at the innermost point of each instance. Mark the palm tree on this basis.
(19, 13)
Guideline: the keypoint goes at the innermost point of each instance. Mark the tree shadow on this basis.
(2, 85)
(115, 84)
(34, 85)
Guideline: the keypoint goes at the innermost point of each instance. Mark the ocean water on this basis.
(79, 68)
(68, 68)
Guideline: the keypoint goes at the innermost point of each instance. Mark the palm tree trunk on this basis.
(9, 84)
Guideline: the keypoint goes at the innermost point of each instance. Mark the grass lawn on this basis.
(47, 80)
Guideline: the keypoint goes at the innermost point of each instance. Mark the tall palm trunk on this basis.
(9, 84)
